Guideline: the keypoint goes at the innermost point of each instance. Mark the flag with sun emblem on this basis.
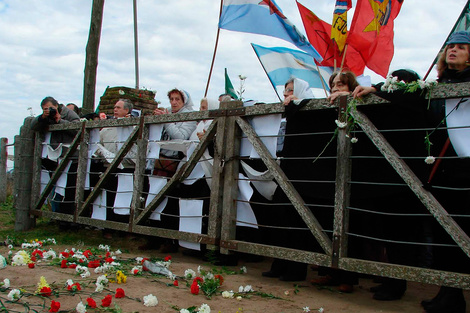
(371, 32)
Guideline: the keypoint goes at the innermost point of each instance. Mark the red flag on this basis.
(371, 32)
(319, 35)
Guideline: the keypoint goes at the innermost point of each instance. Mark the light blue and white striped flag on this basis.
(281, 64)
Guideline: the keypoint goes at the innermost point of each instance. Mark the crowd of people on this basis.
(408, 110)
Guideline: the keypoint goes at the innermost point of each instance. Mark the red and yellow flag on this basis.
(339, 26)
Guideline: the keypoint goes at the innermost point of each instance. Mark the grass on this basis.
(46, 228)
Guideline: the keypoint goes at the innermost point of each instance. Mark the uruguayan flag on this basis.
(282, 63)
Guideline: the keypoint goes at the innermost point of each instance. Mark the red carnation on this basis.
(119, 293)
(33, 258)
(107, 255)
(45, 291)
(74, 287)
(198, 279)
(109, 260)
(107, 301)
(195, 288)
(87, 253)
(220, 278)
(71, 253)
(63, 264)
(94, 264)
(136, 271)
(175, 283)
(167, 258)
(73, 265)
(64, 254)
(31, 265)
(91, 303)
(55, 306)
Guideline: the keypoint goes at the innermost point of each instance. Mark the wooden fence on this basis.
(230, 123)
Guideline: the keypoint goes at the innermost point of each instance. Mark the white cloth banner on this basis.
(263, 181)
(99, 207)
(155, 134)
(191, 221)
(122, 202)
(245, 215)
(460, 117)
(45, 178)
(263, 126)
(92, 147)
(155, 185)
(62, 181)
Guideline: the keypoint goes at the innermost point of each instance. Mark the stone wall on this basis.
(143, 100)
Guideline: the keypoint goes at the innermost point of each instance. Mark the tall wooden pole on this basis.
(215, 50)
(136, 47)
(91, 59)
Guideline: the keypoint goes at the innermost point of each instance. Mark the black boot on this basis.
(450, 301)
(278, 267)
(391, 289)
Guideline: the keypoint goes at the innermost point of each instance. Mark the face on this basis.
(457, 56)
(119, 110)
(289, 90)
(70, 107)
(203, 106)
(337, 85)
(176, 102)
(48, 105)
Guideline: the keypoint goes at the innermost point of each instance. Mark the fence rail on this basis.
(328, 239)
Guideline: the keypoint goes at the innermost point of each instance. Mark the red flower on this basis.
(167, 258)
(55, 306)
(74, 287)
(175, 283)
(107, 301)
(91, 303)
(45, 291)
(220, 278)
(195, 288)
(73, 265)
(36, 252)
(109, 260)
(198, 279)
(119, 293)
(81, 261)
(31, 265)
(64, 254)
(87, 253)
(107, 255)
(136, 271)
(33, 258)
(63, 264)
(143, 260)
(71, 253)
(94, 264)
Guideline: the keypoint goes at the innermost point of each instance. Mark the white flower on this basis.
(430, 160)
(421, 83)
(199, 269)
(14, 295)
(10, 252)
(69, 282)
(239, 298)
(121, 92)
(431, 82)
(10, 247)
(80, 307)
(117, 252)
(341, 124)
(286, 292)
(248, 288)
(227, 294)
(240, 289)
(6, 283)
(306, 309)
(99, 288)
(208, 276)
(139, 259)
(184, 311)
(243, 269)
(242, 77)
(204, 308)
(150, 300)
(189, 274)
(102, 280)
(321, 310)
(354, 140)
(103, 247)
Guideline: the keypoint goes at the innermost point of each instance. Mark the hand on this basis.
(158, 111)
(201, 134)
(337, 94)
(361, 91)
(288, 99)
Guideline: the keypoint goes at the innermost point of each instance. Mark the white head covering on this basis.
(187, 99)
(302, 89)
(212, 104)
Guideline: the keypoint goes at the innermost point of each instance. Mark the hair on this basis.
(175, 90)
(406, 75)
(224, 96)
(76, 109)
(91, 116)
(441, 61)
(290, 80)
(346, 77)
(51, 100)
(127, 105)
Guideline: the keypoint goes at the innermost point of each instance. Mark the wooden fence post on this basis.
(24, 159)
(3, 169)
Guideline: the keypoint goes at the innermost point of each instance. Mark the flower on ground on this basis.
(321, 310)
(184, 311)
(189, 274)
(195, 288)
(136, 270)
(306, 309)
(243, 269)
(175, 283)
(286, 292)
(119, 293)
(55, 306)
(227, 294)
(43, 287)
(120, 277)
(14, 295)
(204, 308)
(91, 303)
(248, 288)
(21, 258)
(150, 300)
(106, 301)
(80, 308)
(239, 298)
(5, 284)
(430, 160)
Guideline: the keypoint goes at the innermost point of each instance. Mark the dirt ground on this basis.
(294, 296)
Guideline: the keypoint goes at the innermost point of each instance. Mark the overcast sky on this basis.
(43, 48)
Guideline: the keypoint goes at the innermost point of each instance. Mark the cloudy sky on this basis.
(43, 48)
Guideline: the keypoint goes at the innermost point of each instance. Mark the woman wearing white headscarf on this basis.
(297, 89)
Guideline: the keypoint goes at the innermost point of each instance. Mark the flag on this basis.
(263, 17)
(339, 26)
(371, 32)
(229, 87)
(319, 35)
(280, 64)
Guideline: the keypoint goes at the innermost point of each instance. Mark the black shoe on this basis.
(450, 301)
(271, 274)
(376, 288)
(292, 277)
(388, 295)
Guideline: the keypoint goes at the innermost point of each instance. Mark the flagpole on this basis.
(215, 49)
(272, 84)
(344, 56)
(453, 29)
(322, 80)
